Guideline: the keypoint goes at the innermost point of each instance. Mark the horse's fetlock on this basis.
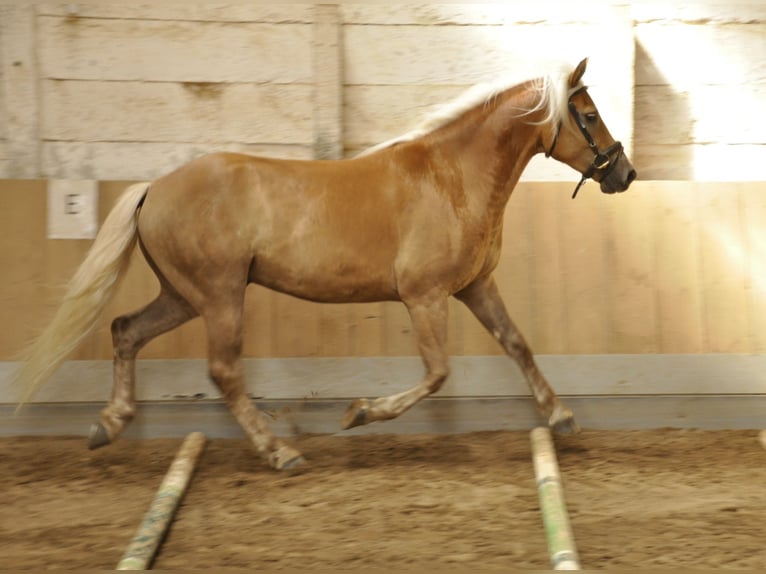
(120, 416)
(437, 378)
(222, 371)
(127, 414)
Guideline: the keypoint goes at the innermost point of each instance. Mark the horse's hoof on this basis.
(297, 464)
(287, 458)
(563, 422)
(356, 414)
(98, 436)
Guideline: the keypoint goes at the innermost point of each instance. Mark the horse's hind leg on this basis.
(224, 326)
(484, 301)
(429, 319)
(129, 334)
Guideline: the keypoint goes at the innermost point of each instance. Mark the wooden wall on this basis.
(700, 90)
(667, 267)
(118, 91)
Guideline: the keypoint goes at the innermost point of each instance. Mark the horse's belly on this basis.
(328, 281)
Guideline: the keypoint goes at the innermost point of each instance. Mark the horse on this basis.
(416, 219)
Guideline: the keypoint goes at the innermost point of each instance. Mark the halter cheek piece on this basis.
(602, 160)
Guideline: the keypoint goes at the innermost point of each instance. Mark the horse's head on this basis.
(583, 141)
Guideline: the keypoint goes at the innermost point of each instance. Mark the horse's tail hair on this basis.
(87, 293)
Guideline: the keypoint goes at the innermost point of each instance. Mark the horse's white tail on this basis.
(88, 292)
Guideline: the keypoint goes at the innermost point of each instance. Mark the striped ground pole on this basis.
(558, 532)
(151, 531)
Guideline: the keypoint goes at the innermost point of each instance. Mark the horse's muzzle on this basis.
(619, 178)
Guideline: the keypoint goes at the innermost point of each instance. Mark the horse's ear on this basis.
(579, 72)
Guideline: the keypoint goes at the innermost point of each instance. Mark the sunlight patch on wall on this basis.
(710, 74)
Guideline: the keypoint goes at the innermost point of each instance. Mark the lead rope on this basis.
(579, 185)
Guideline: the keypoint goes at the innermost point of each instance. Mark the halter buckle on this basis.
(601, 161)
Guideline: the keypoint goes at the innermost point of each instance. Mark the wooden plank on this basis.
(715, 47)
(165, 112)
(366, 329)
(666, 115)
(158, 51)
(23, 293)
(488, 14)
(259, 322)
(334, 333)
(745, 123)
(631, 306)
(3, 111)
(295, 329)
(723, 264)
(655, 162)
(373, 114)
(754, 214)
(457, 315)
(700, 162)
(584, 273)
(229, 12)
(5, 160)
(472, 54)
(721, 163)
(19, 63)
(476, 376)
(398, 335)
(328, 82)
(142, 161)
(677, 256)
(742, 12)
(663, 116)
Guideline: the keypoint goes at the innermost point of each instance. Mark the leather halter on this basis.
(602, 160)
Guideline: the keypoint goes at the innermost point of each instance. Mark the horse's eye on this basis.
(591, 117)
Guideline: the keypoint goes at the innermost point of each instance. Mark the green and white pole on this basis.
(150, 533)
(558, 532)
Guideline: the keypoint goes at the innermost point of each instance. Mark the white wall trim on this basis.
(471, 376)
(484, 393)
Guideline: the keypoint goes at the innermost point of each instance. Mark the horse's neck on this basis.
(492, 144)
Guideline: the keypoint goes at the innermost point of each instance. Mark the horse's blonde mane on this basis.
(553, 89)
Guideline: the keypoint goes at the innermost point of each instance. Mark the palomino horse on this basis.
(417, 219)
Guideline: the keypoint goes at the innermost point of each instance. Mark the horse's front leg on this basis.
(484, 301)
(429, 320)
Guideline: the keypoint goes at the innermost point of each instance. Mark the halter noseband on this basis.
(602, 160)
